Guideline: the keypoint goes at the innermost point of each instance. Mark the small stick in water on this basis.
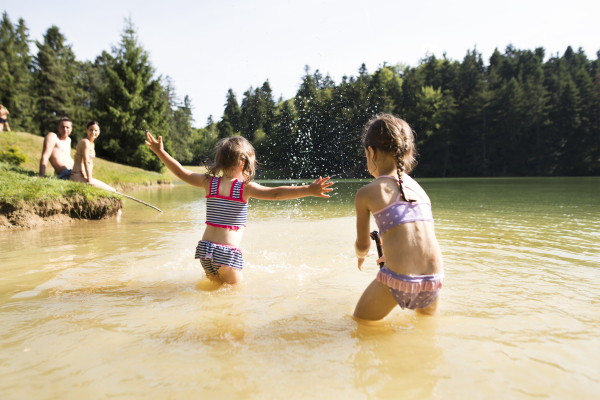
(375, 237)
(139, 201)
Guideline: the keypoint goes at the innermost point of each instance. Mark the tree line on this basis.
(517, 115)
(119, 89)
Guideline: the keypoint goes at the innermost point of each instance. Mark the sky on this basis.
(208, 47)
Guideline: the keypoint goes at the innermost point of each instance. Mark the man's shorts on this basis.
(64, 174)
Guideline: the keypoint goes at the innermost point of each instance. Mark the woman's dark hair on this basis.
(92, 123)
(229, 152)
(390, 134)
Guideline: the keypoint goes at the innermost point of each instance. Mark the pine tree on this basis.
(233, 111)
(130, 102)
(15, 78)
(180, 120)
(88, 83)
(269, 108)
(224, 128)
(54, 80)
(253, 113)
(280, 149)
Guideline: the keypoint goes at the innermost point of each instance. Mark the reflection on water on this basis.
(106, 308)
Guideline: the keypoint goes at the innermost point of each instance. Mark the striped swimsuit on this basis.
(228, 213)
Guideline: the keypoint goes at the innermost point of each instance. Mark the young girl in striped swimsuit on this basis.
(227, 201)
(413, 274)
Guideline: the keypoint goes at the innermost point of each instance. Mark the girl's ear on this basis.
(372, 153)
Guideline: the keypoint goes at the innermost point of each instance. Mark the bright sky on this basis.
(208, 47)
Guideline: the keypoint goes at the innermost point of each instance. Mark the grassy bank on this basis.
(28, 201)
(116, 175)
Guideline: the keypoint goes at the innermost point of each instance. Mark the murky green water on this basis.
(120, 308)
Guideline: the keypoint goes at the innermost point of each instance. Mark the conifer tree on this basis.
(280, 149)
(253, 114)
(55, 65)
(269, 108)
(180, 120)
(224, 128)
(130, 102)
(15, 78)
(233, 111)
(88, 83)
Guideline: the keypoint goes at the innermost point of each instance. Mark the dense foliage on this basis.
(521, 114)
(119, 89)
(516, 116)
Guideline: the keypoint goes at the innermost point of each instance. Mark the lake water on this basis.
(121, 309)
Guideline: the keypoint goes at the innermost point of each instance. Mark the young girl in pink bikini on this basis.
(413, 274)
(227, 201)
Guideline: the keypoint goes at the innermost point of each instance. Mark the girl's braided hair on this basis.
(229, 152)
(390, 134)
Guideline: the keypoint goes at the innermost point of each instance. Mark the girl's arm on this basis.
(87, 159)
(317, 189)
(363, 224)
(173, 165)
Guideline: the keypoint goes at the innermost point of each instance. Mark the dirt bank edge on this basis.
(31, 214)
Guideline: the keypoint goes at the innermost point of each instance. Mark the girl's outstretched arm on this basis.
(173, 165)
(318, 188)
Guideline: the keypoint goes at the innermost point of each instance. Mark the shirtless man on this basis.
(57, 149)
(3, 119)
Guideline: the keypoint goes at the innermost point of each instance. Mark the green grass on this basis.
(114, 174)
(19, 184)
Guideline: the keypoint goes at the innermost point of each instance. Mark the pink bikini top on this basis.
(401, 212)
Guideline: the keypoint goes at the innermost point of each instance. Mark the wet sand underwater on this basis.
(120, 309)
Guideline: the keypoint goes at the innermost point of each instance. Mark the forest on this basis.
(521, 113)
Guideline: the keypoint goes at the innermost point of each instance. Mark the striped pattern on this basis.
(226, 212)
(213, 256)
(214, 186)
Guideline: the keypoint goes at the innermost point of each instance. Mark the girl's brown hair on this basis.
(229, 152)
(390, 134)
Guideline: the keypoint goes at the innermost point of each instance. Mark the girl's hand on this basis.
(155, 146)
(361, 260)
(319, 186)
(381, 260)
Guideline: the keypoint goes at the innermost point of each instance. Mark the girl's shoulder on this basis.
(413, 186)
(370, 190)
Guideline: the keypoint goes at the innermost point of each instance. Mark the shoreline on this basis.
(34, 213)
(38, 213)
(27, 201)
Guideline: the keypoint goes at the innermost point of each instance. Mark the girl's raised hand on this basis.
(320, 186)
(153, 144)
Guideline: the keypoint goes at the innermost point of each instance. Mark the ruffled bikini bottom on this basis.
(412, 291)
(214, 256)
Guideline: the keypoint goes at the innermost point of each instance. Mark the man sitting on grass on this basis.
(57, 149)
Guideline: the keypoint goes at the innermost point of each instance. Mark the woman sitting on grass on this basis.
(84, 158)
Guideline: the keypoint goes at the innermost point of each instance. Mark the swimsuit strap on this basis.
(214, 186)
(237, 188)
(401, 186)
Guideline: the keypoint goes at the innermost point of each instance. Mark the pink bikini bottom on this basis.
(412, 291)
